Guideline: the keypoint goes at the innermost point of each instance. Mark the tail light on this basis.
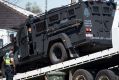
(88, 29)
(88, 32)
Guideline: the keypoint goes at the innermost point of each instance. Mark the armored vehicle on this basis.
(64, 33)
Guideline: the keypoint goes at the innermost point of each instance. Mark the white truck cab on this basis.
(115, 29)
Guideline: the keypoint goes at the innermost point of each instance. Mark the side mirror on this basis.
(12, 38)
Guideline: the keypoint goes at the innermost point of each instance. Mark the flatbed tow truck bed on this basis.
(68, 64)
(109, 54)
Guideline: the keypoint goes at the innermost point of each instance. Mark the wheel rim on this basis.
(104, 78)
(58, 53)
(80, 77)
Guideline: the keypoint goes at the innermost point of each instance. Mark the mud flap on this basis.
(72, 53)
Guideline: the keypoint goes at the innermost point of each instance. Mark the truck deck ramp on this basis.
(67, 64)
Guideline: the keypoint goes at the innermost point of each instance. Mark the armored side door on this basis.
(102, 17)
(96, 19)
(23, 42)
(39, 34)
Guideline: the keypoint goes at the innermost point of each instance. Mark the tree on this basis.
(28, 6)
(36, 9)
(33, 8)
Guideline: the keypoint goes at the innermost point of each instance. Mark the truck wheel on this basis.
(82, 74)
(57, 53)
(106, 75)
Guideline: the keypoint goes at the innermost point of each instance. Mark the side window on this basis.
(54, 18)
(71, 12)
(106, 11)
(40, 26)
(95, 9)
(63, 15)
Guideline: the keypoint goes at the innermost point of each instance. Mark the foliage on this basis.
(33, 7)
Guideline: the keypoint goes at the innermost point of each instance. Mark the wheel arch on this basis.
(63, 38)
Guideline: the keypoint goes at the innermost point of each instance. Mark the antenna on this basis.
(46, 14)
(46, 3)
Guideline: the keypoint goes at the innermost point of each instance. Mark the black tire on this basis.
(57, 53)
(82, 74)
(106, 75)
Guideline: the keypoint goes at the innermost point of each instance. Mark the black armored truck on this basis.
(64, 33)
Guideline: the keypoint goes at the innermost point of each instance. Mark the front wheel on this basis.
(57, 53)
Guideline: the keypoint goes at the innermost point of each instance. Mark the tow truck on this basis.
(102, 65)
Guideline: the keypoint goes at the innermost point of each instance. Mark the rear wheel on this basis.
(82, 74)
(57, 53)
(106, 75)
